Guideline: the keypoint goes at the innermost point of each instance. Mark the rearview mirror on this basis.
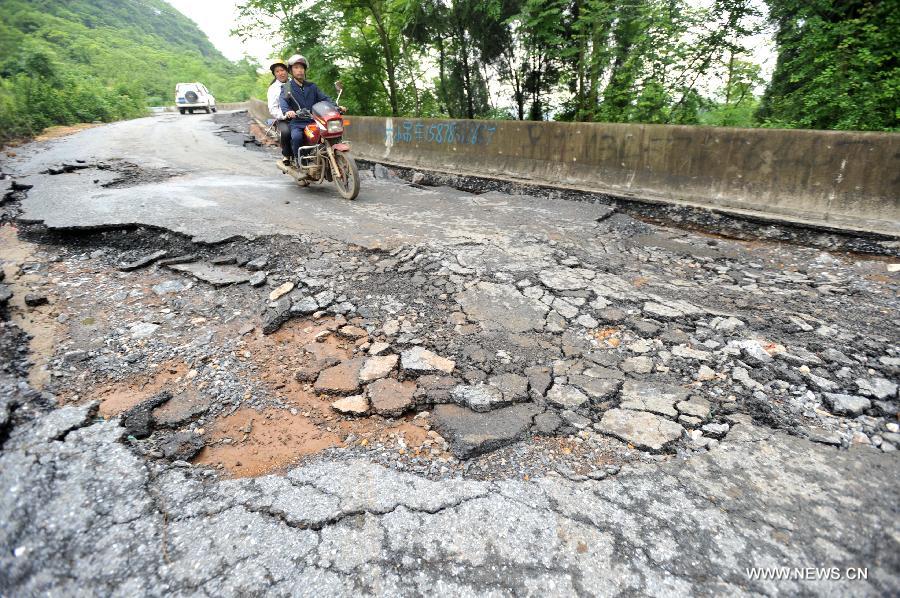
(339, 86)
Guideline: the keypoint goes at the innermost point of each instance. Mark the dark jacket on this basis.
(302, 97)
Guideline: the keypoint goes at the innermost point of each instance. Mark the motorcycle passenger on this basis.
(280, 72)
(299, 94)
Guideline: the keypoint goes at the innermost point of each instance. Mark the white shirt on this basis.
(272, 95)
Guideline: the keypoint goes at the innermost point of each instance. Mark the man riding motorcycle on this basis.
(298, 95)
(280, 72)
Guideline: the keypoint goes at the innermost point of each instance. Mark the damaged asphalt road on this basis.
(231, 385)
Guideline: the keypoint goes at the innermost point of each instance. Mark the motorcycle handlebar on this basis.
(304, 113)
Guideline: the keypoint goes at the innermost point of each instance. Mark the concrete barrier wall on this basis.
(259, 110)
(233, 106)
(845, 180)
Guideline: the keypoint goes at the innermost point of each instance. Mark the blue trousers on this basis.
(297, 136)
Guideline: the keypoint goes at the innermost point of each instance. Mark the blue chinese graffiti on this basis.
(462, 133)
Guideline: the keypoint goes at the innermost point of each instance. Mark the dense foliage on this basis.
(652, 61)
(66, 61)
(838, 65)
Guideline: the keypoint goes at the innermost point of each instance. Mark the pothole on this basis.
(546, 357)
(132, 175)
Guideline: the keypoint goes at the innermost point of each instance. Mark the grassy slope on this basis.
(65, 61)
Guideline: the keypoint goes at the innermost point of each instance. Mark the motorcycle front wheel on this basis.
(348, 182)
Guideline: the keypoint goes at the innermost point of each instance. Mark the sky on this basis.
(216, 18)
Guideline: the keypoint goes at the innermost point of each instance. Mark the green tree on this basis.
(837, 67)
(659, 61)
(737, 99)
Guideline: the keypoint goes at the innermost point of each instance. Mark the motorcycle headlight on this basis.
(335, 126)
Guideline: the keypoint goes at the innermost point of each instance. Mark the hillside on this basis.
(65, 61)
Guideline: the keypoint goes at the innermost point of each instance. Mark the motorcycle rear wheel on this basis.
(348, 184)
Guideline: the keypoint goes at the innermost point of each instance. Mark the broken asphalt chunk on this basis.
(304, 305)
(652, 397)
(35, 300)
(644, 430)
(479, 397)
(143, 261)
(178, 259)
(378, 367)
(258, 278)
(5, 294)
(565, 396)
(842, 404)
(139, 421)
(391, 398)
(342, 379)
(355, 405)
(275, 316)
(471, 434)
(419, 360)
(214, 275)
(181, 446)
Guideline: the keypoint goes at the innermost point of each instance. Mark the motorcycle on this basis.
(326, 157)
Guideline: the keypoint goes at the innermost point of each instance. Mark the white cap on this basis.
(298, 58)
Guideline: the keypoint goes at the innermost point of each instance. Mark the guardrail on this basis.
(834, 179)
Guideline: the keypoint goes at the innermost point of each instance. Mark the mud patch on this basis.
(252, 443)
(118, 398)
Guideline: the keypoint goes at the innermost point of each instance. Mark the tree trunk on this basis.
(464, 58)
(407, 56)
(442, 59)
(389, 60)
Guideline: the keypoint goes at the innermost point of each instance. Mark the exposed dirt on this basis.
(303, 422)
(20, 264)
(252, 443)
(115, 399)
(64, 130)
(55, 132)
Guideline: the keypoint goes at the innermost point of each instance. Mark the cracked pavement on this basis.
(351, 527)
(216, 383)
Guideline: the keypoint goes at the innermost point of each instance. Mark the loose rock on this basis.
(355, 405)
(391, 398)
(419, 360)
(377, 367)
(842, 404)
(340, 379)
(644, 430)
(566, 397)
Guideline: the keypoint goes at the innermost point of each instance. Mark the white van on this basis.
(194, 96)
